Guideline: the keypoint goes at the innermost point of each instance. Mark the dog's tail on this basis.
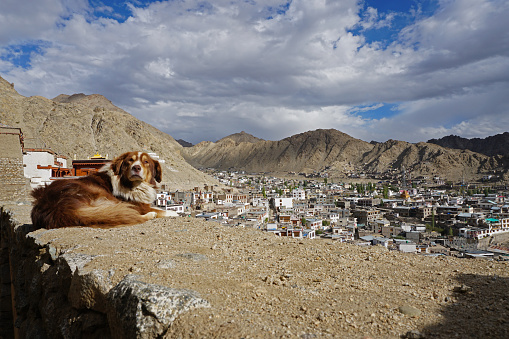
(108, 213)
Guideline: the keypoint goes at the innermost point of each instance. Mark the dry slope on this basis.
(81, 125)
(425, 159)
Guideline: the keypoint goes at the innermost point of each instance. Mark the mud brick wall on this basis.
(14, 184)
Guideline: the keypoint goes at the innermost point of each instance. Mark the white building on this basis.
(39, 165)
(314, 224)
(283, 202)
(175, 207)
(341, 234)
(407, 247)
(299, 194)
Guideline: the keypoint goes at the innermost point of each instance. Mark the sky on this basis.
(201, 70)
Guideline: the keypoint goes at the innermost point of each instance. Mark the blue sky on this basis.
(201, 70)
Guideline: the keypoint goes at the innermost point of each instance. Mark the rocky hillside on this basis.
(340, 154)
(425, 159)
(81, 125)
(493, 145)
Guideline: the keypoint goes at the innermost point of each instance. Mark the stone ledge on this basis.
(183, 277)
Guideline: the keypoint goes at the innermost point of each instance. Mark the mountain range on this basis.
(342, 155)
(80, 125)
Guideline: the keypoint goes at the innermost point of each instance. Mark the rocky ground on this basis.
(262, 286)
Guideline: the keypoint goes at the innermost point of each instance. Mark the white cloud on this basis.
(273, 68)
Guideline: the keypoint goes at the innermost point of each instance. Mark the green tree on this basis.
(359, 188)
(371, 187)
(450, 231)
(385, 192)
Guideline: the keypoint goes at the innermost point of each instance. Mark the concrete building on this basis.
(40, 165)
(299, 194)
(283, 202)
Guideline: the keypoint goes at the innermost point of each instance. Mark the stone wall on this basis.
(6, 310)
(55, 297)
(15, 185)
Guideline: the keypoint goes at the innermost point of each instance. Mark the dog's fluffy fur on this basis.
(118, 194)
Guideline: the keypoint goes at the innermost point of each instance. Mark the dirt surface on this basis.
(263, 286)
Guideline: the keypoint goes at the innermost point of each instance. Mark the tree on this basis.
(373, 188)
(303, 221)
(486, 191)
(360, 188)
(263, 192)
(385, 192)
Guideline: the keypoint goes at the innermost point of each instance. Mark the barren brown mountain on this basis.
(303, 152)
(341, 154)
(81, 125)
(425, 159)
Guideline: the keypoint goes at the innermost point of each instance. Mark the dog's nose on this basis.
(137, 168)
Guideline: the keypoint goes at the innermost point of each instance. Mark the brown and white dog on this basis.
(120, 193)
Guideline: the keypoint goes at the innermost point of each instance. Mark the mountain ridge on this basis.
(492, 145)
(340, 154)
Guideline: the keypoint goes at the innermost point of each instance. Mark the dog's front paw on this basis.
(150, 215)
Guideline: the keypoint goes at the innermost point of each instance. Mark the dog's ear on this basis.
(158, 171)
(116, 164)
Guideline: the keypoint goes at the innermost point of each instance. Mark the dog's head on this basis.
(137, 167)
